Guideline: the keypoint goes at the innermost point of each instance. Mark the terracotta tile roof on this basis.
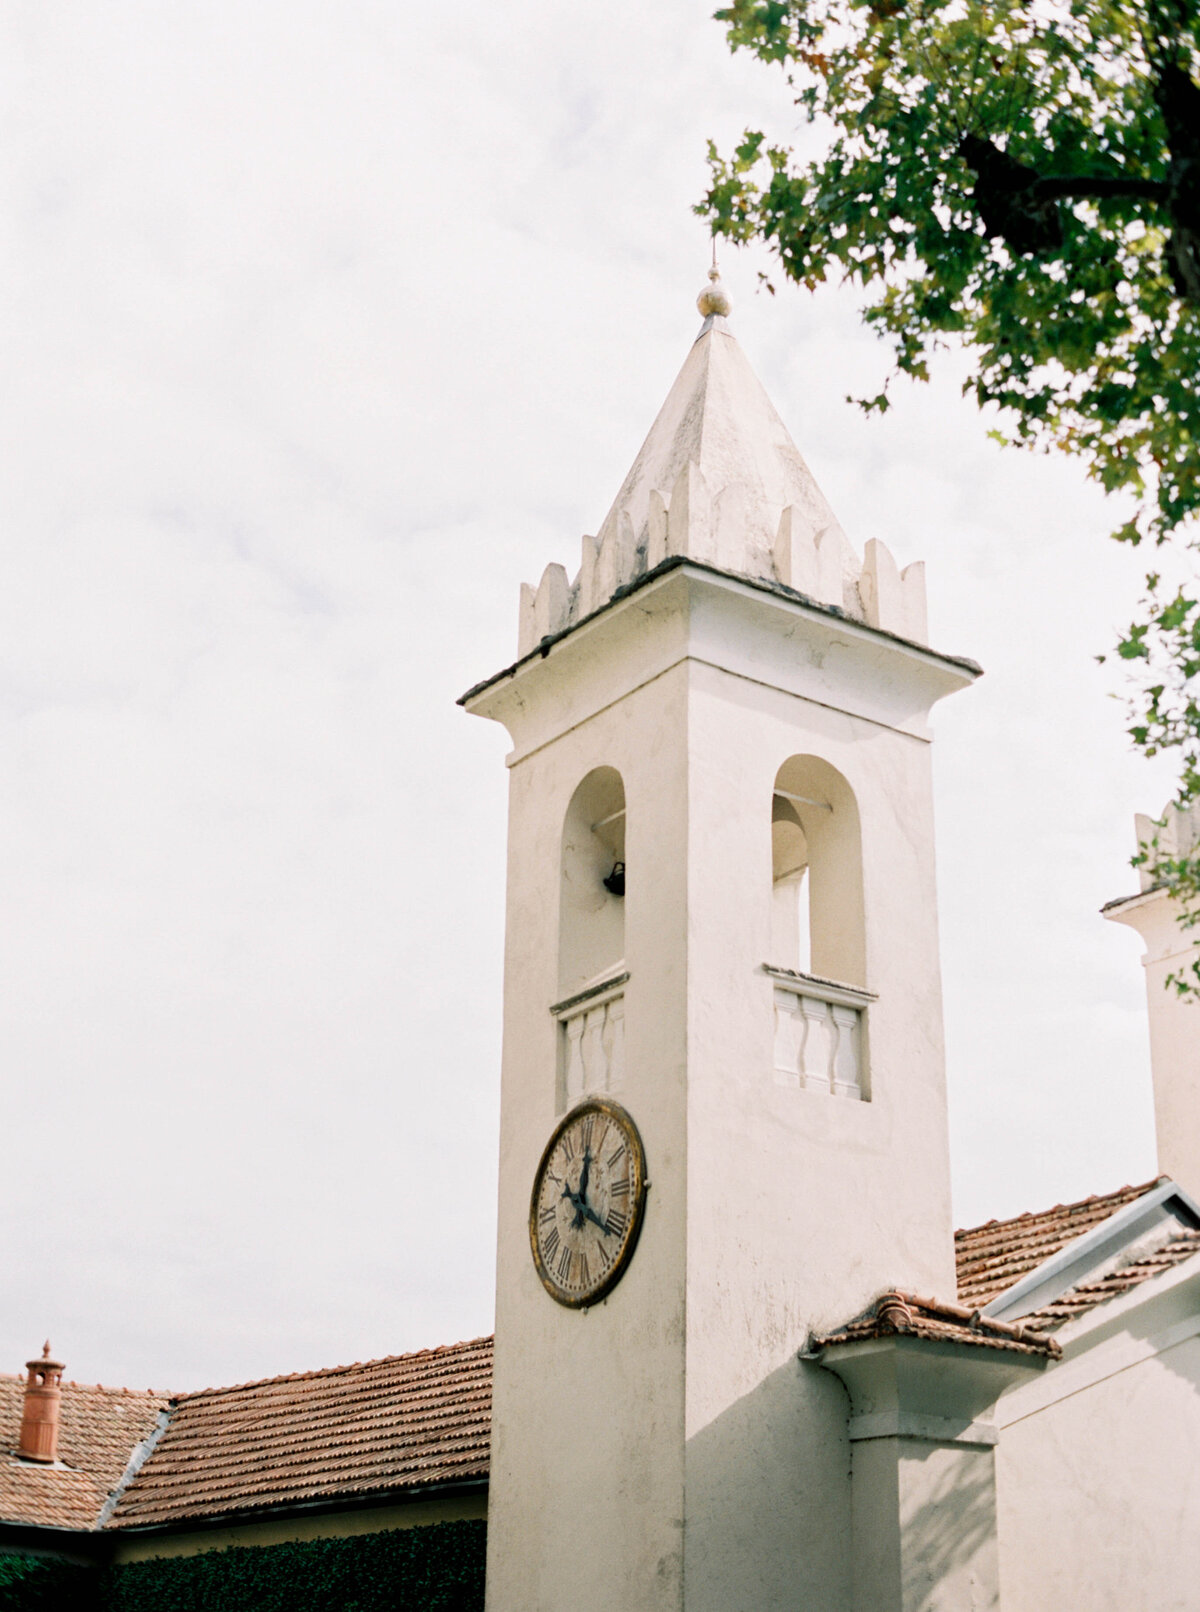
(379, 1428)
(1079, 1300)
(992, 1257)
(99, 1428)
(906, 1315)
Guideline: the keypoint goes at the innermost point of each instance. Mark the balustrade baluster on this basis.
(818, 1045)
(789, 1037)
(614, 1044)
(593, 1049)
(847, 1056)
(573, 1080)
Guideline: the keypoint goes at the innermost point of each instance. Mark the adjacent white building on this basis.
(722, 917)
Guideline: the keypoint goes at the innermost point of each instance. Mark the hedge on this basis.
(42, 1584)
(438, 1568)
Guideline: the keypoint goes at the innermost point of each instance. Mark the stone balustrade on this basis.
(820, 1043)
(592, 1051)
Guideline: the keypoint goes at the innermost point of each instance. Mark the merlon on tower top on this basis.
(719, 480)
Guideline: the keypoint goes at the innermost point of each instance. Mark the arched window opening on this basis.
(591, 939)
(591, 935)
(817, 903)
(818, 950)
(591, 908)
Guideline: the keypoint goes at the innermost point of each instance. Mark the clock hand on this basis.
(577, 1203)
(595, 1218)
(587, 1170)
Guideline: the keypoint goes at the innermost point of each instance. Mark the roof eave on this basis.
(367, 1501)
(1110, 1315)
(1070, 1265)
(51, 1539)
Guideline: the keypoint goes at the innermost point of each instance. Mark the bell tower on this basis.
(722, 916)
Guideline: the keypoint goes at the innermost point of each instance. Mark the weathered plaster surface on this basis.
(666, 1449)
(923, 1476)
(1098, 1477)
(719, 480)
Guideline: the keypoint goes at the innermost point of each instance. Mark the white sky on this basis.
(322, 327)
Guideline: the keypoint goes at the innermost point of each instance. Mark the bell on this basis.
(615, 882)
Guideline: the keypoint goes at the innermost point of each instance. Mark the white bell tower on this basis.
(730, 704)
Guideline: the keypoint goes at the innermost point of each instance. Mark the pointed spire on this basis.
(719, 480)
(718, 418)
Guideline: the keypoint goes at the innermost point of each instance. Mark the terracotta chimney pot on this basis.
(39, 1420)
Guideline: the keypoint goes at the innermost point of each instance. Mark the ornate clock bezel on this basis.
(638, 1187)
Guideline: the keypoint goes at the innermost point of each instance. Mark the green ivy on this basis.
(40, 1584)
(433, 1569)
(439, 1568)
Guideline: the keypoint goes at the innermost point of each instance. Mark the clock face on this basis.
(588, 1197)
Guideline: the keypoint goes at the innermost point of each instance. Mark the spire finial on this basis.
(714, 299)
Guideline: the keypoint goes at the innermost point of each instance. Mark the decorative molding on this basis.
(933, 1429)
(835, 991)
(813, 608)
(604, 987)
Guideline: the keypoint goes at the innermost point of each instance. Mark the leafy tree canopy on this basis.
(1022, 176)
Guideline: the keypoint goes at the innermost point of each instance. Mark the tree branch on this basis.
(1085, 187)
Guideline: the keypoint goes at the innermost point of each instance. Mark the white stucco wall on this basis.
(802, 1207)
(586, 1495)
(1174, 1030)
(667, 1448)
(1098, 1465)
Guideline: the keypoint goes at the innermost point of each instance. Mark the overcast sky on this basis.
(322, 327)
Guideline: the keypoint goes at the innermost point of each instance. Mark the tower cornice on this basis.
(904, 679)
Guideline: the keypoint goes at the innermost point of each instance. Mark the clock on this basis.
(589, 1195)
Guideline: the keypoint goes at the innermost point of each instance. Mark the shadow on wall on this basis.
(1099, 1493)
(950, 1550)
(768, 1499)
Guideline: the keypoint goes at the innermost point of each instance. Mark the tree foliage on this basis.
(1021, 177)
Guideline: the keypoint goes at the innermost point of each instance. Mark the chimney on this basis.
(39, 1420)
(1174, 1019)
